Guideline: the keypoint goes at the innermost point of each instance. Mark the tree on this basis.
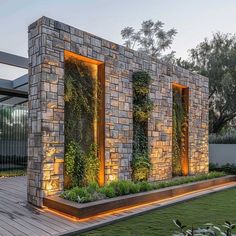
(216, 59)
(151, 39)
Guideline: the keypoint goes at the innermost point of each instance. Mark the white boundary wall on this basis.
(222, 153)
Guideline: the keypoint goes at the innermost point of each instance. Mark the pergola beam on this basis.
(13, 60)
(13, 93)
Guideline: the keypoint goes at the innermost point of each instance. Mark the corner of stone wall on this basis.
(46, 114)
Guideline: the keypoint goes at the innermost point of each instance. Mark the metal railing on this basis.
(13, 137)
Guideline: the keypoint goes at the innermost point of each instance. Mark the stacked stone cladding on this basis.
(48, 40)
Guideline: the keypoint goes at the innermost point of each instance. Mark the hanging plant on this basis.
(142, 108)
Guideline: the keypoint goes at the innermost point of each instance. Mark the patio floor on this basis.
(19, 218)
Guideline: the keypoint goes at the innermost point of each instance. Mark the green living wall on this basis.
(179, 134)
(142, 107)
(81, 102)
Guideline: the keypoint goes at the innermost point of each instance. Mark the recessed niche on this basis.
(180, 162)
(84, 107)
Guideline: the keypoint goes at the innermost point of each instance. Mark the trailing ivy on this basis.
(92, 164)
(81, 102)
(75, 165)
(180, 125)
(142, 107)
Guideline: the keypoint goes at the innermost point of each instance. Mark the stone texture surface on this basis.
(47, 41)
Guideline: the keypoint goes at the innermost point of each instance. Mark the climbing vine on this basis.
(81, 102)
(142, 107)
(180, 126)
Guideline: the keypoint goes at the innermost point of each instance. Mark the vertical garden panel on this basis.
(84, 120)
(180, 161)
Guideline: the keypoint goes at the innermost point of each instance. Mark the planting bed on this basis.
(90, 209)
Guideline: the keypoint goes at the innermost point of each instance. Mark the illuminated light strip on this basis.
(64, 215)
(121, 210)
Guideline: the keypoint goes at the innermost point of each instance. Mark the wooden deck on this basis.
(18, 218)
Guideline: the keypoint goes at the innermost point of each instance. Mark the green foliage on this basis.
(82, 168)
(121, 187)
(124, 187)
(142, 108)
(12, 173)
(75, 164)
(229, 138)
(227, 168)
(83, 194)
(80, 103)
(82, 97)
(216, 59)
(180, 124)
(209, 229)
(141, 82)
(151, 39)
(145, 186)
(108, 191)
(92, 164)
(141, 166)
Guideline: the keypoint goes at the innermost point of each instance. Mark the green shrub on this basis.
(91, 193)
(108, 191)
(124, 187)
(72, 194)
(84, 195)
(121, 187)
(145, 186)
(134, 188)
(229, 138)
(227, 168)
(208, 229)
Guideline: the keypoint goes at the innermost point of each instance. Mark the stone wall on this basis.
(48, 39)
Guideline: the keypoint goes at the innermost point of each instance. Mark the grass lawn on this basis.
(214, 208)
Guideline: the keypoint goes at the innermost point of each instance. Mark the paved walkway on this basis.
(18, 218)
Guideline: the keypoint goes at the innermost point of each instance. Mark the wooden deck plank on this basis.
(4, 232)
(16, 225)
(32, 229)
(35, 214)
(14, 190)
(11, 229)
(29, 218)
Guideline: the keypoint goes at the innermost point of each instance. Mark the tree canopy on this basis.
(216, 59)
(151, 38)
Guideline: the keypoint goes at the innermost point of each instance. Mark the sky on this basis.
(193, 19)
